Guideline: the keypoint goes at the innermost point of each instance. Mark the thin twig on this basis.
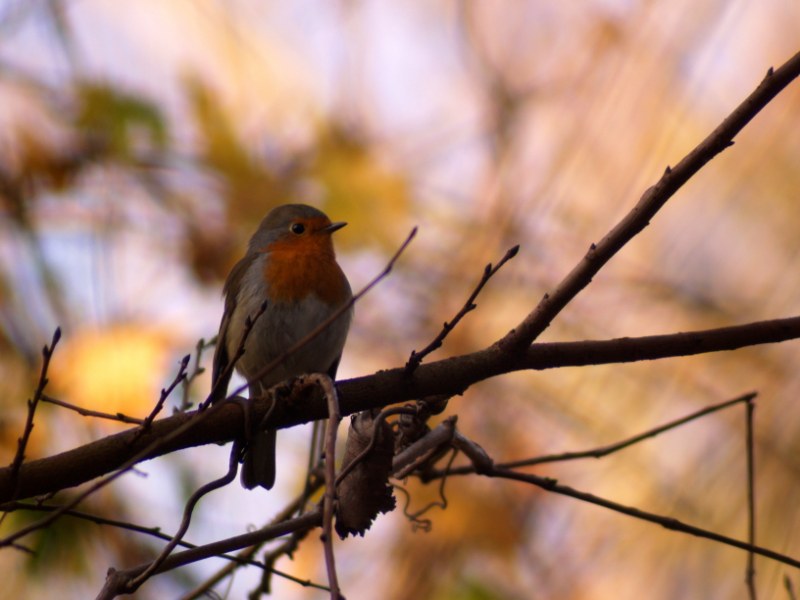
(179, 559)
(750, 573)
(416, 358)
(236, 561)
(287, 548)
(124, 468)
(197, 370)
(180, 376)
(315, 459)
(24, 549)
(552, 485)
(329, 499)
(85, 412)
(249, 552)
(602, 450)
(198, 417)
(233, 466)
(22, 443)
(96, 519)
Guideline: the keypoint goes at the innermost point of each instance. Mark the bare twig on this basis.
(248, 553)
(197, 370)
(233, 466)
(22, 443)
(235, 561)
(307, 521)
(649, 204)
(97, 519)
(750, 572)
(552, 485)
(416, 358)
(198, 417)
(329, 499)
(180, 376)
(125, 467)
(475, 453)
(315, 459)
(602, 450)
(287, 548)
(24, 549)
(85, 412)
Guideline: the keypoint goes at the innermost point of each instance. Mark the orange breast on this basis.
(296, 270)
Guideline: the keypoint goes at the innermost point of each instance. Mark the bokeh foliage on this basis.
(142, 144)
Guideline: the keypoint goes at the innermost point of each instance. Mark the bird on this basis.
(290, 265)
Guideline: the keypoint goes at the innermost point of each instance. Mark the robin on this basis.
(289, 264)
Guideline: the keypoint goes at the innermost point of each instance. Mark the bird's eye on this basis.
(297, 228)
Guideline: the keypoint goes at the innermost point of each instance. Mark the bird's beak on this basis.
(333, 227)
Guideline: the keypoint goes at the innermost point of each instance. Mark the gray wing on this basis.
(220, 373)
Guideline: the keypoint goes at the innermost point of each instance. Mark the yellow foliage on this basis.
(117, 369)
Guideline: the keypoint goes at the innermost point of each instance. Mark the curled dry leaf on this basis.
(365, 492)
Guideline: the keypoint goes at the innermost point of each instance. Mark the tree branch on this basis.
(650, 203)
(115, 580)
(447, 376)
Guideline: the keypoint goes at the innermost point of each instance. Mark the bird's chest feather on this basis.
(301, 293)
(295, 276)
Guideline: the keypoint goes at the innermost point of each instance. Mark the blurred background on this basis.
(142, 142)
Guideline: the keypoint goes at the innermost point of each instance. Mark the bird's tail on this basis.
(258, 465)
